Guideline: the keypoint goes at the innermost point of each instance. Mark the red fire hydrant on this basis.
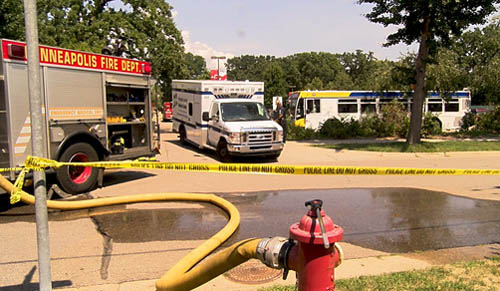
(310, 251)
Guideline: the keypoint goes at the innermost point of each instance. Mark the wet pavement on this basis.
(395, 220)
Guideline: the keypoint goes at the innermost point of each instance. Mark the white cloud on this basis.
(206, 51)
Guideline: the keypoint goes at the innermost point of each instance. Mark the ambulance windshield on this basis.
(244, 111)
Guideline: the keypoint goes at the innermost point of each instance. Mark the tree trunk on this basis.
(419, 93)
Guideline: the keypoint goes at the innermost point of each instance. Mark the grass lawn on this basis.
(473, 275)
(431, 147)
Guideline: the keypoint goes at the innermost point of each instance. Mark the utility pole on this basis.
(218, 67)
(42, 224)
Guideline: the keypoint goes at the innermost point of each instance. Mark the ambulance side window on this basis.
(190, 109)
(214, 111)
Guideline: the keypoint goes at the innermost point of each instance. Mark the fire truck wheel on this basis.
(182, 135)
(76, 180)
(222, 151)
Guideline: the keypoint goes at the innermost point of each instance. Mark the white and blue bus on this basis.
(310, 109)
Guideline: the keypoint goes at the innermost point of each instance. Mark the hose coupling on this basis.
(273, 252)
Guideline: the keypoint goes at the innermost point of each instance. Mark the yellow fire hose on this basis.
(187, 273)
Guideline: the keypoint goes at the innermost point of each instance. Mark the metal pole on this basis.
(42, 225)
(218, 70)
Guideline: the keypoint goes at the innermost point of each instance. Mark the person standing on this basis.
(280, 117)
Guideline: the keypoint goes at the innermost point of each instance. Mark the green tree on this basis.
(431, 23)
(342, 81)
(324, 66)
(478, 53)
(11, 19)
(385, 77)
(196, 67)
(447, 74)
(315, 84)
(292, 74)
(144, 30)
(247, 67)
(360, 67)
(274, 82)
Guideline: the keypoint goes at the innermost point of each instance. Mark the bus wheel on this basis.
(74, 179)
(222, 151)
(440, 125)
(182, 135)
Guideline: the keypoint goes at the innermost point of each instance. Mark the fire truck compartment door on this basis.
(74, 95)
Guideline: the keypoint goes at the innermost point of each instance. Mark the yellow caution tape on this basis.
(10, 169)
(15, 195)
(36, 163)
(39, 164)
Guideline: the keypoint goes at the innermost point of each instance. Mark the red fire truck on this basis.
(95, 107)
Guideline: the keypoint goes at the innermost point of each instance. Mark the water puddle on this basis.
(386, 219)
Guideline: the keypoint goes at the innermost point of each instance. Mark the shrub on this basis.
(430, 125)
(489, 121)
(298, 133)
(395, 121)
(371, 125)
(340, 129)
(468, 121)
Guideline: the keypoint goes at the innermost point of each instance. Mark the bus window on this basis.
(313, 106)
(368, 106)
(300, 109)
(386, 100)
(347, 106)
(434, 105)
(451, 106)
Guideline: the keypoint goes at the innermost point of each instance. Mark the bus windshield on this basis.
(244, 111)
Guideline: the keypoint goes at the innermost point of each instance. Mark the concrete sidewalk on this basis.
(354, 267)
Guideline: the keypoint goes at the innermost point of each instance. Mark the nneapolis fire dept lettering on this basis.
(85, 60)
(56, 56)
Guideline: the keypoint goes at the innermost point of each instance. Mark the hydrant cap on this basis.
(308, 229)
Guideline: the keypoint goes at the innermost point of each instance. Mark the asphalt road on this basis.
(380, 214)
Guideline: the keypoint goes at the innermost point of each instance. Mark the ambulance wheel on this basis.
(182, 135)
(223, 152)
(73, 179)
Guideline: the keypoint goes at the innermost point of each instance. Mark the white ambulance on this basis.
(226, 116)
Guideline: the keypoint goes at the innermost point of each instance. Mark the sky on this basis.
(280, 28)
